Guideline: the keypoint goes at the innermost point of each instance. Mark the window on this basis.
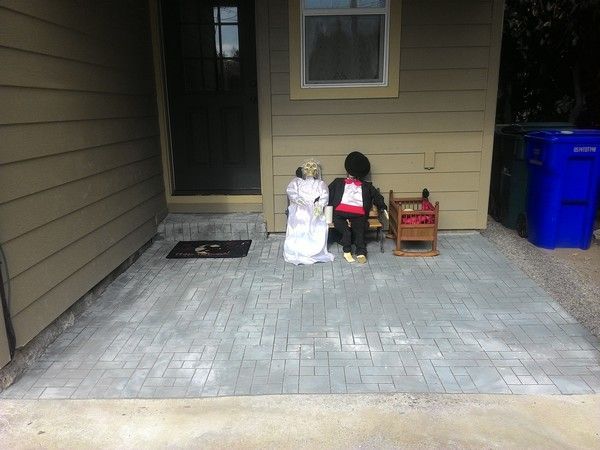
(344, 48)
(344, 42)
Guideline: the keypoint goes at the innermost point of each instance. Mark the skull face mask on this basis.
(310, 168)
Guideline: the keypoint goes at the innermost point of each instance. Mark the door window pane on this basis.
(193, 75)
(191, 40)
(200, 75)
(346, 49)
(230, 79)
(198, 41)
(210, 74)
(217, 51)
(229, 14)
(229, 41)
(193, 11)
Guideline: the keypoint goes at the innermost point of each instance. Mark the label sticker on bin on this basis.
(584, 149)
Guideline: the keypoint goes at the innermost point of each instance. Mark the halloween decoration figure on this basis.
(421, 219)
(352, 198)
(298, 175)
(306, 233)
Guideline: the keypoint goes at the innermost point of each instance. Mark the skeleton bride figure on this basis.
(306, 234)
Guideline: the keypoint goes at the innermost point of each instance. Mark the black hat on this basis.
(357, 165)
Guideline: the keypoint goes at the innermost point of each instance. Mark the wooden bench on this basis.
(375, 224)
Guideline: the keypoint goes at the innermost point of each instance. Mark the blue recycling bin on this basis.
(562, 191)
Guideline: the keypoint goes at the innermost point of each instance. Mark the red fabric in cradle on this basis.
(417, 219)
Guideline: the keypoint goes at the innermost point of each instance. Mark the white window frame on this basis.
(304, 12)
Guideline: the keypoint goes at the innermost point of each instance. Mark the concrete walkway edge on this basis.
(304, 421)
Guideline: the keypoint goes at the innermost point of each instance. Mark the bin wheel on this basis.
(522, 225)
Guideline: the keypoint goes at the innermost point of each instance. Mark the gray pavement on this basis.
(467, 321)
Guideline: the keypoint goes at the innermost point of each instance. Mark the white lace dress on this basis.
(306, 234)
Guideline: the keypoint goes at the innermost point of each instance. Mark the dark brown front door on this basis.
(210, 55)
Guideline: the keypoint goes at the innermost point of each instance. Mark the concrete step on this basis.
(212, 226)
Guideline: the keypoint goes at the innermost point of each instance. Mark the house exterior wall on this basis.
(443, 115)
(81, 183)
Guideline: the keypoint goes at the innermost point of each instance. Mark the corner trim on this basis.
(265, 126)
(161, 97)
(489, 117)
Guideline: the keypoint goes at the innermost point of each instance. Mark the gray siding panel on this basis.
(81, 186)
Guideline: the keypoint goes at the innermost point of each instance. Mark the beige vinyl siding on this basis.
(439, 116)
(81, 185)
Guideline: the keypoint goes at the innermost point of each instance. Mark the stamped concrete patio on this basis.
(465, 322)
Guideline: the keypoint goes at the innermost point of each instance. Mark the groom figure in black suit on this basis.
(352, 198)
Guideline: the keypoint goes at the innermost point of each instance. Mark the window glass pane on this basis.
(199, 75)
(217, 41)
(342, 4)
(229, 41)
(345, 49)
(229, 78)
(229, 14)
(198, 40)
(192, 71)
(210, 74)
(191, 40)
(193, 11)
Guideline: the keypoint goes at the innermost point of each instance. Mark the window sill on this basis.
(299, 93)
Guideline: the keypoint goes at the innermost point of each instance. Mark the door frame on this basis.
(219, 203)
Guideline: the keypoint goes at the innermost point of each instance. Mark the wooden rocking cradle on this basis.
(409, 222)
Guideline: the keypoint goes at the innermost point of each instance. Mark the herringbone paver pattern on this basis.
(464, 322)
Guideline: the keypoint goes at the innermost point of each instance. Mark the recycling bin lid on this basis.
(574, 135)
(528, 127)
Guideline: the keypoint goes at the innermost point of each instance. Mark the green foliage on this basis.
(550, 66)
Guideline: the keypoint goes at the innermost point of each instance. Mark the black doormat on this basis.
(210, 249)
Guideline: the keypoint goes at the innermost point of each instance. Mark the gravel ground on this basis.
(570, 276)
